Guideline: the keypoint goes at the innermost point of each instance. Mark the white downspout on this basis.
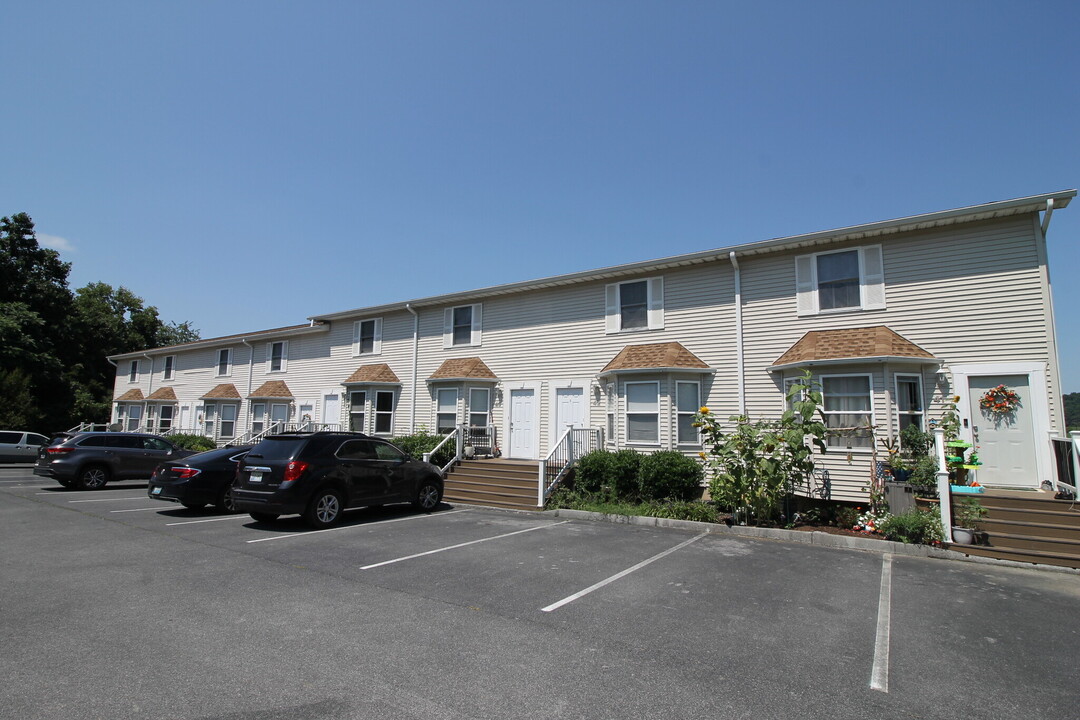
(415, 358)
(251, 371)
(149, 392)
(739, 371)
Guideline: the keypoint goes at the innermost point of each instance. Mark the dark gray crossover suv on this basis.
(88, 460)
(321, 474)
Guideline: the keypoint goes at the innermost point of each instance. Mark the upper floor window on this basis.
(367, 337)
(849, 411)
(224, 361)
(170, 367)
(462, 325)
(277, 356)
(133, 371)
(840, 280)
(635, 305)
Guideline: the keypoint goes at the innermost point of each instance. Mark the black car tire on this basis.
(93, 477)
(324, 509)
(193, 505)
(263, 517)
(66, 482)
(428, 496)
(226, 502)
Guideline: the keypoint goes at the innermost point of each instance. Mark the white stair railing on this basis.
(570, 446)
(457, 435)
(1066, 454)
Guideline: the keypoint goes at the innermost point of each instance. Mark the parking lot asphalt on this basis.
(118, 606)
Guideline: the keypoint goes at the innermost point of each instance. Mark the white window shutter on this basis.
(656, 303)
(448, 328)
(269, 355)
(377, 345)
(477, 323)
(805, 287)
(356, 338)
(611, 313)
(285, 356)
(873, 277)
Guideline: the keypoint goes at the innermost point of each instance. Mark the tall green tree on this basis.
(53, 343)
(1071, 403)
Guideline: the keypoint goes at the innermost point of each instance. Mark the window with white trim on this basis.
(446, 410)
(165, 418)
(848, 410)
(635, 305)
(133, 372)
(357, 410)
(384, 412)
(134, 417)
(367, 337)
(277, 356)
(462, 325)
(224, 362)
(612, 402)
(840, 280)
(258, 418)
(479, 407)
(687, 404)
(170, 367)
(643, 412)
(227, 421)
(909, 401)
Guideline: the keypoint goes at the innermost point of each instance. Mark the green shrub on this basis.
(593, 470)
(623, 482)
(188, 441)
(695, 510)
(846, 516)
(669, 475)
(917, 526)
(421, 442)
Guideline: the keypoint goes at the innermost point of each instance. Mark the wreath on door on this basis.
(999, 401)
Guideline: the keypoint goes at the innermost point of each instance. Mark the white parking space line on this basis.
(353, 527)
(217, 519)
(156, 507)
(109, 499)
(624, 573)
(879, 674)
(460, 545)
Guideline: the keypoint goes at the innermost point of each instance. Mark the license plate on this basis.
(256, 477)
(156, 491)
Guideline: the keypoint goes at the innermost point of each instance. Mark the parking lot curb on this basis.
(820, 539)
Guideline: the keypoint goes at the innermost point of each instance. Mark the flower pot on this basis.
(963, 536)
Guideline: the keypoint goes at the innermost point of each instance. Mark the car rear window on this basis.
(277, 449)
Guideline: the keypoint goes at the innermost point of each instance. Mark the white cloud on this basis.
(56, 243)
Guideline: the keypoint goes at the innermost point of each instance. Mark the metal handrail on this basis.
(457, 434)
(558, 463)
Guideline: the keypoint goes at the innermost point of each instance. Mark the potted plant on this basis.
(967, 514)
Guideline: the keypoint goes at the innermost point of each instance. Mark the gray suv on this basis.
(88, 460)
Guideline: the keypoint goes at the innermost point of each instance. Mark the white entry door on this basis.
(522, 424)
(331, 409)
(185, 418)
(569, 412)
(1006, 442)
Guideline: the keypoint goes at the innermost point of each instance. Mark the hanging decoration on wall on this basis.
(999, 401)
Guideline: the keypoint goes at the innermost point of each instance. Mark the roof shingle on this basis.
(134, 395)
(272, 389)
(471, 368)
(851, 343)
(660, 356)
(377, 373)
(224, 391)
(165, 394)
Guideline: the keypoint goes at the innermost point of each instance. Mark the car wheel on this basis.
(324, 509)
(66, 482)
(93, 477)
(263, 517)
(226, 502)
(193, 505)
(428, 496)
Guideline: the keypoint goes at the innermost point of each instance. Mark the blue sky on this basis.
(243, 165)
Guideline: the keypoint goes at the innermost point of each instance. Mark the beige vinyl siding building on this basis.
(955, 298)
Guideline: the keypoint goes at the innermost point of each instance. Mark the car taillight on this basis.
(293, 471)
(59, 450)
(185, 473)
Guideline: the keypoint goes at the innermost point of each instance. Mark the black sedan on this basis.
(199, 480)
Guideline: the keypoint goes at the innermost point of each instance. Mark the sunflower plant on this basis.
(754, 464)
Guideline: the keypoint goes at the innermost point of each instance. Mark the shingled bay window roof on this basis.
(131, 396)
(165, 394)
(658, 357)
(272, 390)
(852, 345)
(471, 368)
(375, 374)
(224, 391)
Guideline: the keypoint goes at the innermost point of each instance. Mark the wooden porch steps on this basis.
(1027, 527)
(497, 483)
